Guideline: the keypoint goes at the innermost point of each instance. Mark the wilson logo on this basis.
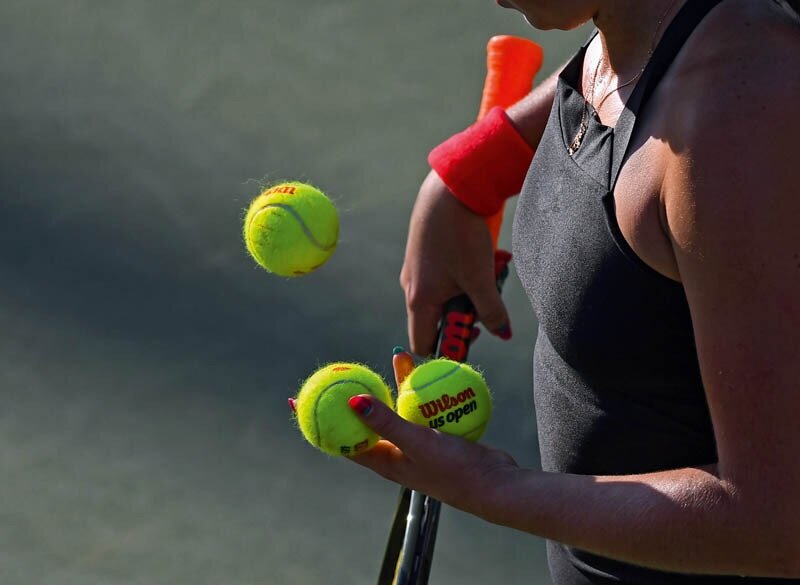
(445, 403)
(282, 189)
(456, 333)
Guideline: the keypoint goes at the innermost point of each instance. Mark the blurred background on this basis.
(145, 360)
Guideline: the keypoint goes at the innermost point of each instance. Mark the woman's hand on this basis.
(453, 470)
(449, 252)
(464, 475)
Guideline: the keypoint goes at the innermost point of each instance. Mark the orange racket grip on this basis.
(511, 65)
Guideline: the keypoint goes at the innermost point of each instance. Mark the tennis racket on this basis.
(511, 64)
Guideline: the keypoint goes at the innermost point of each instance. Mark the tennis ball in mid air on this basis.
(448, 396)
(325, 418)
(291, 229)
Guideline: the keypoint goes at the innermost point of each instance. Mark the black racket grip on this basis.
(458, 316)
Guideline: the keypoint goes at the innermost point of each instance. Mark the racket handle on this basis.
(511, 65)
(458, 316)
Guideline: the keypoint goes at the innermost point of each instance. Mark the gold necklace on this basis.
(578, 140)
(584, 126)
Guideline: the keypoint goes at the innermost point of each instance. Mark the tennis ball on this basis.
(448, 396)
(324, 416)
(291, 229)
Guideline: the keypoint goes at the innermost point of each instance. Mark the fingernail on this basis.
(397, 349)
(293, 404)
(362, 404)
(504, 332)
(403, 365)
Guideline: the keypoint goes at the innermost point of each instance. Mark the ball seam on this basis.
(455, 369)
(317, 431)
(299, 219)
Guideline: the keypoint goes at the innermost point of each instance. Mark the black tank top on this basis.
(617, 383)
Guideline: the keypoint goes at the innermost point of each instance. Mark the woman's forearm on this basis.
(742, 520)
(687, 520)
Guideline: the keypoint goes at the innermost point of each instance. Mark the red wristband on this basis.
(485, 164)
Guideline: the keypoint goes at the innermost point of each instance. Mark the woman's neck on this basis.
(629, 30)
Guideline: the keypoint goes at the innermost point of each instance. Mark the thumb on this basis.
(408, 436)
(490, 307)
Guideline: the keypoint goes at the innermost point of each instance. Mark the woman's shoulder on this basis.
(740, 65)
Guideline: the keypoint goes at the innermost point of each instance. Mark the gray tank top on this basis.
(617, 383)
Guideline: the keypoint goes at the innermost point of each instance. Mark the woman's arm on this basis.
(449, 250)
(530, 115)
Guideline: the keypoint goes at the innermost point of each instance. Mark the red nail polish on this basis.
(361, 404)
(293, 404)
(504, 332)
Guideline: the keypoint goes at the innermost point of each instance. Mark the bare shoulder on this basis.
(732, 122)
(741, 66)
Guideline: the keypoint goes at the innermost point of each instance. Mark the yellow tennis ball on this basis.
(448, 396)
(324, 416)
(291, 229)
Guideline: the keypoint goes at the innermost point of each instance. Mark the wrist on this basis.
(485, 164)
(503, 496)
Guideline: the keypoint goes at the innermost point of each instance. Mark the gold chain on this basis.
(578, 140)
(584, 127)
